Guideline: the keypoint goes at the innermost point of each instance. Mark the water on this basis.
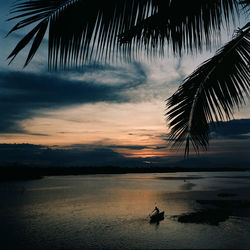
(110, 211)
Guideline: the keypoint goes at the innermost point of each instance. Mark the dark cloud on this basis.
(38, 155)
(113, 146)
(24, 94)
(160, 147)
(131, 147)
(165, 137)
(96, 155)
(134, 147)
(237, 129)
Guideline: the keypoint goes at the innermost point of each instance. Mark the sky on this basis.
(102, 114)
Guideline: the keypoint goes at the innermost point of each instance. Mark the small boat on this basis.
(157, 217)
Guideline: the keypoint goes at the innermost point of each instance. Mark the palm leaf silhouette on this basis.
(245, 4)
(80, 31)
(185, 26)
(84, 30)
(210, 93)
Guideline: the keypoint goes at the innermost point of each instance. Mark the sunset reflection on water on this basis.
(111, 211)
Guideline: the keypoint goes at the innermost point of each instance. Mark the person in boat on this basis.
(156, 210)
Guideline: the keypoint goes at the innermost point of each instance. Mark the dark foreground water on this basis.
(110, 211)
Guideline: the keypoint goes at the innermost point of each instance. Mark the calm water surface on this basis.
(110, 211)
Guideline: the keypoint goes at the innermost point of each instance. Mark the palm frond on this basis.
(185, 26)
(245, 6)
(245, 3)
(84, 30)
(211, 93)
(79, 30)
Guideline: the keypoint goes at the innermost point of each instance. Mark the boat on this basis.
(157, 217)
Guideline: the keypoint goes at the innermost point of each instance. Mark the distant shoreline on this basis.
(30, 173)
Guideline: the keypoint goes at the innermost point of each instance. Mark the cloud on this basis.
(104, 155)
(24, 95)
(115, 147)
(165, 137)
(237, 129)
(160, 147)
(133, 147)
(38, 155)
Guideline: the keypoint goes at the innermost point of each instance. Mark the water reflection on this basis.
(187, 186)
(155, 224)
(111, 211)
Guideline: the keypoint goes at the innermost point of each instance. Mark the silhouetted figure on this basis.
(156, 215)
(156, 210)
